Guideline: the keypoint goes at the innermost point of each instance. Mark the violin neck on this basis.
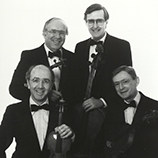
(60, 118)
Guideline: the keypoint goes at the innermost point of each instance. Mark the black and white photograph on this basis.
(79, 79)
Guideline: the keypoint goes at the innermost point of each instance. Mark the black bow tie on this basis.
(93, 42)
(36, 107)
(131, 104)
(54, 54)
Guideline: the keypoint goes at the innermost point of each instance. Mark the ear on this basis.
(137, 80)
(86, 23)
(106, 22)
(44, 33)
(28, 84)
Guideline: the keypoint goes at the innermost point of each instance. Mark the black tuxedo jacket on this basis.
(34, 57)
(18, 123)
(145, 139)
(117, 52)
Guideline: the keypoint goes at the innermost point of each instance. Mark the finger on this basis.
(88, 108)
(66, 134)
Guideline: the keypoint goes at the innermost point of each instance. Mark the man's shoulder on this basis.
(15, 107)
(83, 42)
(17, 104)
(149, 101)
(33, 51)
(68, 52)
(116, 39)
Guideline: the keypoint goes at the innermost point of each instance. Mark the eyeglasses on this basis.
(55, 32)
(99, 22)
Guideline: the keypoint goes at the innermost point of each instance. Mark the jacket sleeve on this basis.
(17, 86)
(6, 132)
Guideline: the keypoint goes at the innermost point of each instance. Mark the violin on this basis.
(97, 59)
(59, 64)
(58, 147)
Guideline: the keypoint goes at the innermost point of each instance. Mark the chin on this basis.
(124, 97)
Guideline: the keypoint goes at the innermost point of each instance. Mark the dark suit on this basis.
(116, 52)
(34, 57)
(145, 135)
(18, 123)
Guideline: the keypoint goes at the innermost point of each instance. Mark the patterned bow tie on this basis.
(93, 42)
(54, 54)
(36, 107)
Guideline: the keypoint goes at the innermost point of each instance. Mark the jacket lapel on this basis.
(140, 111)
(43, 55)
(28, 125)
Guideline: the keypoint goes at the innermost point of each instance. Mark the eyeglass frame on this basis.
(54, 32)
(99, 22)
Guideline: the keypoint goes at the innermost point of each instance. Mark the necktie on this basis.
(54, 54)
(36, 107)
(93, 42)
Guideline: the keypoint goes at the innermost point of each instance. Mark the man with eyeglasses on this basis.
(95, 59)
(30, 122)
(49, 53)
(132, 131)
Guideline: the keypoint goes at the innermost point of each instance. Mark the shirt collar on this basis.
(31, 101)
(103, 38)
(136, 99)
(46, 49)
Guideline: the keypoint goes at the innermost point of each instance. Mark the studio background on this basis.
(22, 22)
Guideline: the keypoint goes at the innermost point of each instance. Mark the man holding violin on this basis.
(32, 120)
(49, 53)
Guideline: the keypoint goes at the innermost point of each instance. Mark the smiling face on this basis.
(54, 34)
(96, 24)
(40, 83)
(125, 85)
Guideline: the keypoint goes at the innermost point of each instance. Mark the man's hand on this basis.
(64, 131)
(92, 103)
(55, 95)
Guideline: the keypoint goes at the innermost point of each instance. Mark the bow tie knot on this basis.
(93, 42)
(132, 104)
(36, 107)
(54, 54)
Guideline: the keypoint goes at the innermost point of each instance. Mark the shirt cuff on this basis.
(104, 103)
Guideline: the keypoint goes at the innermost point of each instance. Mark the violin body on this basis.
(122, 143)
(58, 147)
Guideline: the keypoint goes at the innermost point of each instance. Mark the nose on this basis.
(57, 35)
(121, 86)
(40, 85)
(95, 24)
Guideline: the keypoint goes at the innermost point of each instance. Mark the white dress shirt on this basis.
(57, 71)
(92, 49)
(40, 119)
(130, 111)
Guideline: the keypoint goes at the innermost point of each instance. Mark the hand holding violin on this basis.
(64, 131)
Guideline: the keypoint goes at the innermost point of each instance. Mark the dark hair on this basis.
(54, 19)
(95, 7)
(127, 69)
(28, 73)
